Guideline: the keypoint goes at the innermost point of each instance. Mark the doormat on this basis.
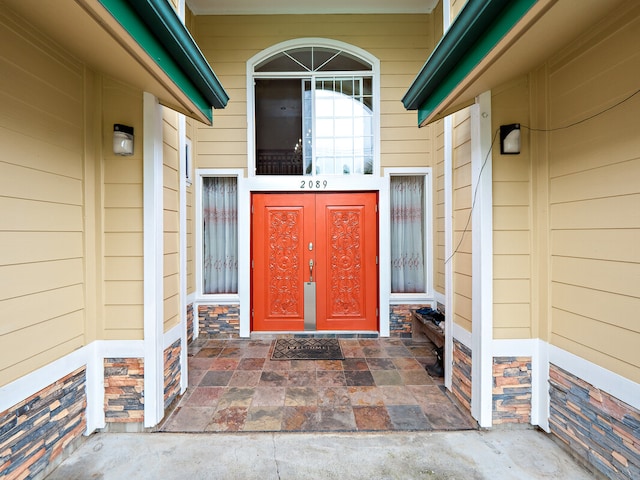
(307, 349)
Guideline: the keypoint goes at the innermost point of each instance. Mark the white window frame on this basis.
(312, 42)
(418, 297)
(219, 298)
(188, 162)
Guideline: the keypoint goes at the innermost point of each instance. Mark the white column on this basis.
(482, 261)
(153, 263)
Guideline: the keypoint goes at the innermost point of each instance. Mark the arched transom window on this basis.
(314, 112)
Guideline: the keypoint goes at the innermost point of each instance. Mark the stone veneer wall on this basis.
(461, 374)
(219, 321)
(400, 319)
(123, 390)
(190, 324)
(36, 431)
(511, 390)
(599, 428)
(172, 373)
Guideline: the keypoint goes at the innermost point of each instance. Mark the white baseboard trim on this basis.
(172, 335)
(462, 335)
(620, 387)
(92, 358)
(31, 383)
(440, 298)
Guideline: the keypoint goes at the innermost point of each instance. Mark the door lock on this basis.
(310, 246)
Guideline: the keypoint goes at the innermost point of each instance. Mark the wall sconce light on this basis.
(122, 139)
(510, 139)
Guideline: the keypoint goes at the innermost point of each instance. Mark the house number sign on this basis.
(313, 184)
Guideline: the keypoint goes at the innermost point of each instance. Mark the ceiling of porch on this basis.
(260, 7)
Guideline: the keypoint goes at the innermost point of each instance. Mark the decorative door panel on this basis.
(346, 232)
(338, 232)
(281, 223)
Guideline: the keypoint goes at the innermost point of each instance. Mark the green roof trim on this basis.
(476, 31)
(154, 25)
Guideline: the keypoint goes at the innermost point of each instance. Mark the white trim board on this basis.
(461, 334)
(92, 358)
(153, 261)
(620, 387)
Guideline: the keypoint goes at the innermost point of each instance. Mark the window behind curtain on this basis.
(407, 234)
(220, 242)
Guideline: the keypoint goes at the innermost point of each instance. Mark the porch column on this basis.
(153, 258)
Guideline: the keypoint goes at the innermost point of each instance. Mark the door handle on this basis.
(311, 270)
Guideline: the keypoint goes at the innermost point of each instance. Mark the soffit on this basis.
(262, 7)
(90, 33)
(545, 29)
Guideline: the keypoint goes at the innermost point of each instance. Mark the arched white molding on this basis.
(302, 43)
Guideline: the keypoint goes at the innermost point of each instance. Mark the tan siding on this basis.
(438, 208)
(399, 41)
(171, 219)
(462, 234)
(191, 275)
(594, 191)
(41, 221)
(123, 218)
(512, 219)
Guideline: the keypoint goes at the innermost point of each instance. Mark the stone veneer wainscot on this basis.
(219, 321)
(511, 390)
(123, 390)
(34, 432)
(461, 374)
(599, 428)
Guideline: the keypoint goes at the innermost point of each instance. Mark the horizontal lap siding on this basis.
(122, 210)
(41, 202)
(511, 219)
(462, 234)
(438, 206)
(171, 196)
(595, 199)
(400, 42)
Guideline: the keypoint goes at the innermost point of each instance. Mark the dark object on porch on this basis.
(307, 349)
(430, 314)
(437, 369)
(428, 322)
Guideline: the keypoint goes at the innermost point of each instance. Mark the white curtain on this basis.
(407, 236)
(220, 242)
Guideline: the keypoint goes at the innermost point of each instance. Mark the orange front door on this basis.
(338, 232)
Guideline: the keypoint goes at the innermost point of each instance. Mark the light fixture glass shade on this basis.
(510, 139)
(122, 139)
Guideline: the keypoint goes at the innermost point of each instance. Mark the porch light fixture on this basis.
(122, 139)
(510, 139)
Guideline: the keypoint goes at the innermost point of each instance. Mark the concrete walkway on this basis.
(495, 455)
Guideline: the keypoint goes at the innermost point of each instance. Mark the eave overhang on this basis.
(480, 25)
(142, 43)
(157, 29)
(491, 42)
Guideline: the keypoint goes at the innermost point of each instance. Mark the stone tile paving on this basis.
(381, 385)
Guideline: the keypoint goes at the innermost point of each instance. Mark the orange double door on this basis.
(324, 244)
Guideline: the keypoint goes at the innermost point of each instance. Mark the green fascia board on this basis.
(476, 31)
(154, 25)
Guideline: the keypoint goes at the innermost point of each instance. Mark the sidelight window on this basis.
(220, 235)
(407, 202)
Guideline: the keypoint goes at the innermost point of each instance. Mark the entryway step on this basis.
(276, 335)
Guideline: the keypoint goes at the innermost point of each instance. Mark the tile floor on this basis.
(381, 385)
